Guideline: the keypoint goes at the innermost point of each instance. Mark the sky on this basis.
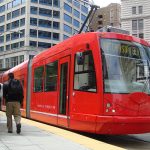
(103, 3)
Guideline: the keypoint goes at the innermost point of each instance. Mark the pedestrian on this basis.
(1, 95)
(13, 94)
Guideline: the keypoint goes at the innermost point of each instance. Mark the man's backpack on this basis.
(15, 86)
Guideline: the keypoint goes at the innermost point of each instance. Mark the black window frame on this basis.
(85, 88)
(41, 78)
(53, 75)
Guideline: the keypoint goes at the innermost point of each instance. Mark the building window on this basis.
(8, 26)
(38, 79)
(84, 9)
(101, 22)
(133, 10)
(76, 4)
(76, 13)
(44, 34)
(2, 8)
(34, 10)
(134, 35)
(22, 22)
(65, 37)
(141, 35)
(34, 1)
(56, 3)
(1, 63)
(134, 24)
(51, 76)
(15, 24)
(16, 13)
(76, 23)
(14, 61)
(56, 14)
(8, 16)
(33, 21)
(1, 48)
(46, 2)
(70, 1)
(21, 43)
(33, 33)
(23, 11)
(56, 25)
(2, 19)
(14, 36)
(100, 16)
(23, 1)
(1, 39)
(22, 33)
(68, 8)
(56, 36)
(1, 29)
(44, 45)
(9, 5)
(140, 9)
(7, 37)
(67, 29)
(67, 18)
(33, 43)
(14, 45)
(85, 76)
(45, 12)
(83, 17)
(7, 47)
(140, 24)
(7, 63)
(21, 57)
(45, 23)
(16, 2)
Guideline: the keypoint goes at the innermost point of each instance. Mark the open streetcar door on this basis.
(63, 114)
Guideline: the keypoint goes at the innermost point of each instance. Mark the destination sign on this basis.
(129, 51)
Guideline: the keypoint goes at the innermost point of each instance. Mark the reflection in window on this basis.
(33, 10)
(51, 76)
(38, 79)
(85, 78)
(45, 12)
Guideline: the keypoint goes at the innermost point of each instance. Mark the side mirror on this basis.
(80, 58)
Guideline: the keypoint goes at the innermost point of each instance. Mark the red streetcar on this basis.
(92, 82)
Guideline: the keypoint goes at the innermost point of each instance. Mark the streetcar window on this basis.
(38, 79)
(125, 66)
(84, 77)
(51, 76)
(80, 59)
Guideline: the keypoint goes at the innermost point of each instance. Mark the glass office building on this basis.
(30, 26)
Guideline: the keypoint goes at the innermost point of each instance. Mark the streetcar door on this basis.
(63, 104)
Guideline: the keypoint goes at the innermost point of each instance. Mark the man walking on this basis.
(13, 94)
(1, 95)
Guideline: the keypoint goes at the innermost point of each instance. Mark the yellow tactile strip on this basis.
(77, 138)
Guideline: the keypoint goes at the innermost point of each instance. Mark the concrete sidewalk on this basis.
(38, 136)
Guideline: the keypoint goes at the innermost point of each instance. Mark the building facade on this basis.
(135, 17)
(29, 26)
(109, 15)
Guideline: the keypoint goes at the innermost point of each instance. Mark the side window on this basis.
(84, 76)
(38, 79)
(51, 76)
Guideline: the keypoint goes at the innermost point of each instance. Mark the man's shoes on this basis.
(18, 128)
(10, 132)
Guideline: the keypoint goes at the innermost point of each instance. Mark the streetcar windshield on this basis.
(125, 66)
